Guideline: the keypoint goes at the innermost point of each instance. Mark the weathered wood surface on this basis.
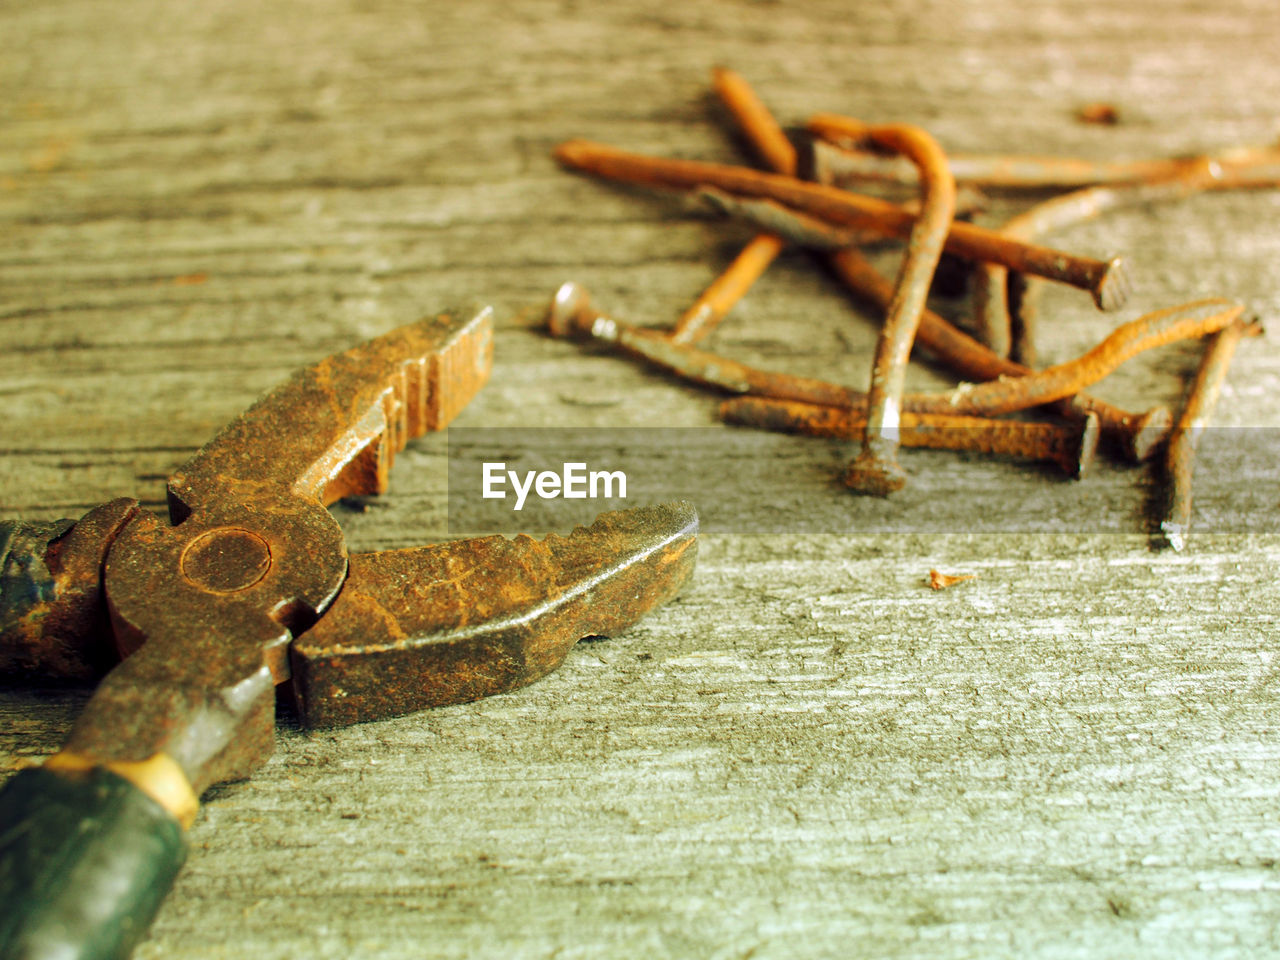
(810, 754)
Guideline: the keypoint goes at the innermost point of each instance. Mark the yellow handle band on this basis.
(159, 777)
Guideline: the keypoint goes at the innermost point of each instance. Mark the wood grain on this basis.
(810, 753)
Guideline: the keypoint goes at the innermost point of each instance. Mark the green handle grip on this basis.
(85, 860)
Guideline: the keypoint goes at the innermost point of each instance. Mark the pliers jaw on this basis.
(458, 621)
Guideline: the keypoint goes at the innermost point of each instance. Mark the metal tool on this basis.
(249, 585)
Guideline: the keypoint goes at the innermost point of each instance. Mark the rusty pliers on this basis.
(249, 584)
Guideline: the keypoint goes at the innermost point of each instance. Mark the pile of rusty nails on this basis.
(803, 202)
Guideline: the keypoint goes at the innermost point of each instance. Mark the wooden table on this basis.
(810, 753)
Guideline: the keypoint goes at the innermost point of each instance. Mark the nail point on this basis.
(1174, 534)
(572, 153)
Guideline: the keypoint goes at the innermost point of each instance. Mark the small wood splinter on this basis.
(941, 581)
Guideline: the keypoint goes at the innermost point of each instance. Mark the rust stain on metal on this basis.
(236, 592)
(464, 620)
(755, 121)
(705, 314)
(52, 620)
(207, 604)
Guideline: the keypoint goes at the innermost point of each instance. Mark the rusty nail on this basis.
(831, 161)
(876, 470)
(992, 314)
(783, 222)
(1201, 399)
(1105, 280)
(730, 287)
(727, 289)
(1004, 302)
(1238, 168)
(1136, 434)
(800, 229)
(755, 121)
(1196, 319)
(571, 315)
(1022, 310)
(1069, 446)
(801, 404)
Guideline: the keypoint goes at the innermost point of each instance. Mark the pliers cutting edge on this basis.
(249, 584)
